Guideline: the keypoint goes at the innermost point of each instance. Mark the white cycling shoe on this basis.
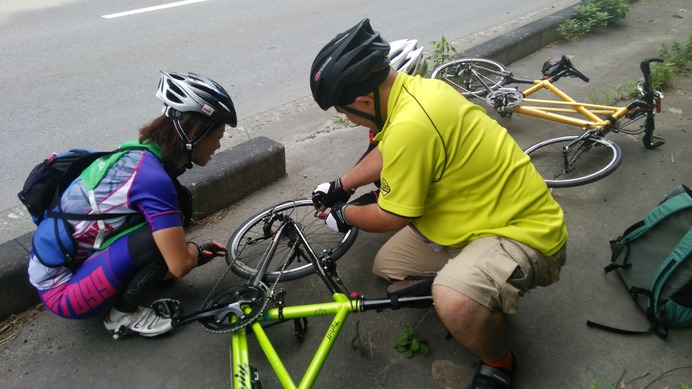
(143, 322)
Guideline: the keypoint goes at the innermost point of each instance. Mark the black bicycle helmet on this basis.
(194, 93)
(352, 64)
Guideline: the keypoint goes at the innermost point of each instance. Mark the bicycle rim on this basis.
(572, 160)
(248, 243)
(471, 76)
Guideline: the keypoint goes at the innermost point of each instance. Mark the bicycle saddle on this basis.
(558, 67)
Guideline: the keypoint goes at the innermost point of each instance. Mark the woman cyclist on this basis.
(118, 260)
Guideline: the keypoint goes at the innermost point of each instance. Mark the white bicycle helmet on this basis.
(194, 93)
(406, 57)
(191, 92)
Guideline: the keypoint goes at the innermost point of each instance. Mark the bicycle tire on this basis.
(459, 74)
(248, 243)
(591, 158)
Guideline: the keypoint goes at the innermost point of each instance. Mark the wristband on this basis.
(342, 213)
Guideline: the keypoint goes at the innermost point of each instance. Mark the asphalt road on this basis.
(76, 74)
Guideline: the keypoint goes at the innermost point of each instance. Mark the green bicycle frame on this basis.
(242, 376)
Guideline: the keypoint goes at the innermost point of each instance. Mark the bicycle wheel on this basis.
(250, 241)
(574, 160)
(473, 77)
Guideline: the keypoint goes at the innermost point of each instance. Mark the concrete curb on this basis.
(522, 41)
(243, 169)
(234, 174)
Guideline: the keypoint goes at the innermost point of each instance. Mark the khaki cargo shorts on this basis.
(494, 271)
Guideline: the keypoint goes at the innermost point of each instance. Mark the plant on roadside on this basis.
(340, 119)
(408, 344)
(593, 14)
(595, 97)
(245, 131)
(678, 55)
(443, 52)
(677, 58)
(627, 91)
(597, 385)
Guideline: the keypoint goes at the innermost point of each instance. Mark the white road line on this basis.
(149, 9)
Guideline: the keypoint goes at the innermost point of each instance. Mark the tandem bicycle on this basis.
(564, 161)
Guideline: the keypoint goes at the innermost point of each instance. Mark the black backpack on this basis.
(49, 179)
(42, 192)
(653, 258)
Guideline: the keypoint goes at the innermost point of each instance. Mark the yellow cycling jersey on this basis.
(458, 174)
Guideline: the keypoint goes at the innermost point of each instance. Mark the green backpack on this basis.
(654, 260)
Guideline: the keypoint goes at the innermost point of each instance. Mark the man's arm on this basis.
(365, 172)
(372, 218)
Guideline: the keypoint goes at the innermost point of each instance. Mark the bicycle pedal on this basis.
(168, 308)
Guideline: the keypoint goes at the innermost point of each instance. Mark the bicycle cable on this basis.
(267, 293)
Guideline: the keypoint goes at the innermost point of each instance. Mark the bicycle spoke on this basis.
(572, 160)
(472, 77)
(250, 242)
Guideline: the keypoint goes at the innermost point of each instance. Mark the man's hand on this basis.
(330, 193)
(337, 219)
(368, 198)
(209, 251)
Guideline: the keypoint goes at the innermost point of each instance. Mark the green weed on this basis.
(340, 119)
(591, 15)
(677, 58)
(595, 97)
(408, 344)
(443, 52)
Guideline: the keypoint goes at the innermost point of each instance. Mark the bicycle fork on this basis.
(569, 158)
(652, 100)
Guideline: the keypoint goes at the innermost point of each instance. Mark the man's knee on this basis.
(384, 270)
(457, 310)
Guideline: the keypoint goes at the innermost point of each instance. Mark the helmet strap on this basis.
(379, 122)
(189, 145)
(377, 118)
(204, 132)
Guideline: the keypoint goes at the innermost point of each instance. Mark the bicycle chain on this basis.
(267, 297)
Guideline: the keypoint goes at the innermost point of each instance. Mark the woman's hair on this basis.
(162, 132)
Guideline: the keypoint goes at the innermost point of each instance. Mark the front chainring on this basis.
(234, 308)
(504, 99)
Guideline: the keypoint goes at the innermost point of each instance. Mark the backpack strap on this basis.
(682, 252)
(55, 211)
(678, 199)
(652, 329)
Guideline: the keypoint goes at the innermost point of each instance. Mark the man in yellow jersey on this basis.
(466, 201)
